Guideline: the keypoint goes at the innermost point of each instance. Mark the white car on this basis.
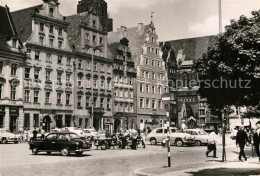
(158, 135)
(201, 136)
(90, 132)
(6, 136)
(76, 130)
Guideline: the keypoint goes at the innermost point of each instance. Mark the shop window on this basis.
(26, 121)
(36, 120)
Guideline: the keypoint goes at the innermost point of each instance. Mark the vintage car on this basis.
(76, 130)
(201, 136)
(6, 136)
(90, 132)
(64, 142)
(159, 135)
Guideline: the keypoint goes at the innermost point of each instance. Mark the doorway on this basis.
(13, 124)
(46, 123)
(117, 125)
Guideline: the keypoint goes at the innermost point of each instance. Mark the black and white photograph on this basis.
(129, 87)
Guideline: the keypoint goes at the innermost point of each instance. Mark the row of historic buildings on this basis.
(58, 71)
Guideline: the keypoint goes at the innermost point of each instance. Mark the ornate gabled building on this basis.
(12, 58)
(152, 79)
(48, 92)
(124, 73)
(93, 70)
(179, 55)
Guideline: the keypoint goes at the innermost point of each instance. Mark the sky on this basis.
(173, 19)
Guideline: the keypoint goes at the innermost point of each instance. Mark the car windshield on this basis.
(174, 130)
(202, 132)
(72, 136)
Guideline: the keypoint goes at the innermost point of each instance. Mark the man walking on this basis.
(212, 142)
(256, 138)
(241, 140)
(34, 134)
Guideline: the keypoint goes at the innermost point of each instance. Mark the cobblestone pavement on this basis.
(16, 159)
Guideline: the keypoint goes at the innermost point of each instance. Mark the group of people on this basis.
(24, 134)
(242, 138)
(133, 134)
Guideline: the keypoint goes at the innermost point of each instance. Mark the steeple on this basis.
(151, 24)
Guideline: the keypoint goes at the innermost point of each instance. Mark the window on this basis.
(165, 90)
(51, 29)
(153, 104)
(67, 79)
(51, 12)
(159, 131)
(80, 64)
(159, 64)
(147, 75)
(14, 43)
(28, 53)
(148, 49)
(94, 39)
(156, 51)
(147, 103)
(141, 88)
(159, 104)
(147, 89)
(143, 74)
(79, 100)
(153, 89)
(48, 74)
(59, 95)
(13, 69)
(27, 73)
(51, 43)
(47, 97)
(48, 57)
(108, 69)
(41, 40)
(36, 73)
(146, 61)
(153, 75)
(102, 85)
(131, 94)
(88, 65)
(41, 27)
(95, 66)
(126, 93)
(100, 40)
(160, 90)
(141, 101)
(87, 101)
(1, 87)
(87, 36)
(102, 67)
(120, 93)
(152, 62)
(88, 83)
(79, 81)
(36, 120)
(67, 99)
(1, 67)
(95, 101)
(131, 108)
(101, 102)
(37, 55)
(68, 60)
(109, 85)
(36, 97)
(59, 74)
(27, 95)
(60, 31)
(60, 44)
(121, 79)
(94, 23)
(26, 121)
(59, 59)
(95, 83)
(152, 50)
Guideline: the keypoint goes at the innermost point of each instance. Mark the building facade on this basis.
(151, 80)
(93, 70)
(48, 78)
(124, 74)
(12, 58)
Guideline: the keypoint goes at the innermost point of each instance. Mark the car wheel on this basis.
(179, 142)
(153, 141)
(4, 141)
(197, 143)
(48, 153)
(34, 151)
(65, 152)
(79, 153)
(103, 147)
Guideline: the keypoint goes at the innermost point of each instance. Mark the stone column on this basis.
(20, 118)
(7, 119)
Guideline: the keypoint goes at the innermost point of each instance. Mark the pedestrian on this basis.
(34, 134)
(134, 135)
(212, 142)
(148, 130)
(256, 138)
(26, 135)
(241, 140)
(42, 134)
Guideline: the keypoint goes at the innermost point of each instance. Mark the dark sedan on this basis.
(64, 142)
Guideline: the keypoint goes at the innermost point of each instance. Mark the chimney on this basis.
(140, 26)
(123, 31)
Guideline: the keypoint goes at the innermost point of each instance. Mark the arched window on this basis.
(51, 12)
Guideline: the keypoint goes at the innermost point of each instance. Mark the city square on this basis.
(129, 87)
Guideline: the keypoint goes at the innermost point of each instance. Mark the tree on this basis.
(230, 70)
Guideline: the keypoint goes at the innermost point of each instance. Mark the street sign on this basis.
(166, 98)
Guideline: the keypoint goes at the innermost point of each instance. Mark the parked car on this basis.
(201, 136)
(90, 132)
(6, 136)
(76, 130)
(64, 142)
(158, 135)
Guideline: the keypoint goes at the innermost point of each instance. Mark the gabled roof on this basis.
(112, 52)
(23, 21)
(135, 36)
(191, 48)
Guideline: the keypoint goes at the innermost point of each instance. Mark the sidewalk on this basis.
(210, 166)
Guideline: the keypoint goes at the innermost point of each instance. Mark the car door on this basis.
(159, 135)
(50, 142)
(62, 141)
